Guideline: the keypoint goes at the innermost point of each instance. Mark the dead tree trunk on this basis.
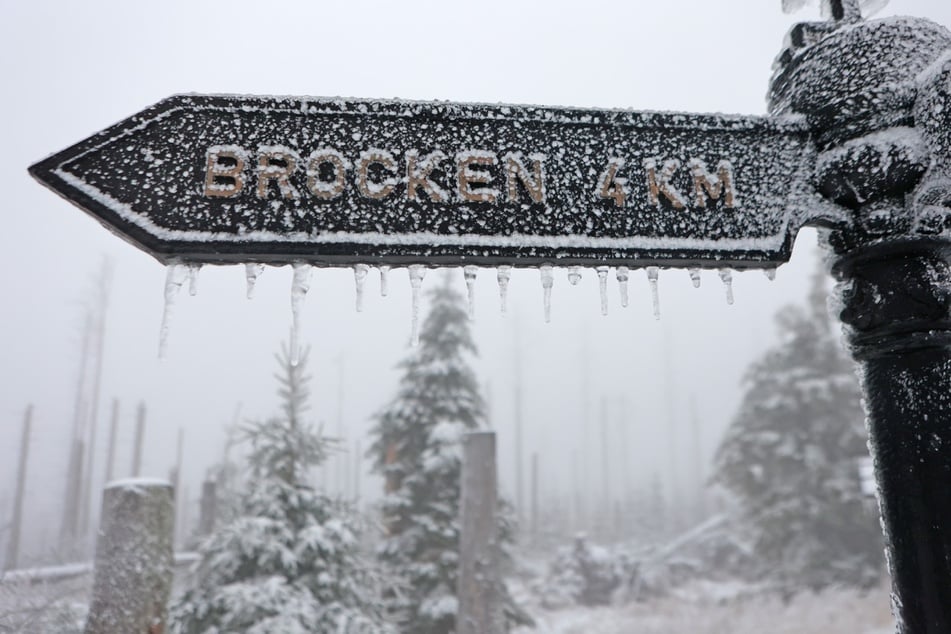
(134, 559)
(479, 589)
(13, 546)
(139, 439)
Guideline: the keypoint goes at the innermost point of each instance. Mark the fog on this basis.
(660, 391)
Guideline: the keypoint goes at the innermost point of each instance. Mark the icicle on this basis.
(770, 274)
(694, 276)
(193, 270)
(384, 285)
(251, 273)
(470, 272)
(299, 287)
(359, 277)
(548, 280)
(652, 274)
(727, 276)
(504, 275)
(174, 278)
(603, 286)
(623, 275)
(574, 275)
(416, 274)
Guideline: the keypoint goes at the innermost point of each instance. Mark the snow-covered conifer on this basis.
(791, 456)
(290, 562)
(417, 449)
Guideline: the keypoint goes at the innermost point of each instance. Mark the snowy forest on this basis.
(381, 448)
(284, 535)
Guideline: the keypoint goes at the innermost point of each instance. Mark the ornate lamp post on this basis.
(877, 96)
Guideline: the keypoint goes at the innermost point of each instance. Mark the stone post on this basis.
(134, 558)
(479, 590)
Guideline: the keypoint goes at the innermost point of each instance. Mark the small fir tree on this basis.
(791, 457)
(290, 562)
(417, 450)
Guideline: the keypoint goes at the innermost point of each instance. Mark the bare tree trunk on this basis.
(479, 591)
(134, 559)
(99, 336)
(208, 508)
(113, 433)
(535, 496)
(13, 546)
(139, 439)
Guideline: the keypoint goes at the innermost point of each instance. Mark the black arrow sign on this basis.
(216, 179)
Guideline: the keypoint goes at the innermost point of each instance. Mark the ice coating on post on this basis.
(193, 270)
(504, 275)
(252, 270)
(416, 274)
(574, 275)
(469, 273)
(652, 274)
(603, 287)
(694, 276)
(548, 280)
(299, 287)
(360, 272)
(623, 275)
(727, 276)
(384, 280)
(174, 278)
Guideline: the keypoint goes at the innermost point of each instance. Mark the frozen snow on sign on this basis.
(216, 179)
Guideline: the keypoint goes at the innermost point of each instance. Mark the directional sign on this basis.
(216, 179)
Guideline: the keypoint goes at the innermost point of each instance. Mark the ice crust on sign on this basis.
(306, 217)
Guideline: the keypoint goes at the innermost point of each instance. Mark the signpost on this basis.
(858, 143)
(215, 179)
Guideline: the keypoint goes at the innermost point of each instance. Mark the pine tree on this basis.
(791, 457)
(290, 562)
(417, 449)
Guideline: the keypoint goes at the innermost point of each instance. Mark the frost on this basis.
(360, 272)
(416, 274)
(548, 280)
(652, 274)
(504, 275)
(299, 288)
(252, 271)
(174, 278)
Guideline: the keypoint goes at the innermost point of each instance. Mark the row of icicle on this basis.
(177, 274)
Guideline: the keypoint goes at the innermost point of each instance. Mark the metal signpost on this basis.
(858, 143)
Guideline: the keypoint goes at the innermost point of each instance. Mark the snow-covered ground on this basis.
(700, 608)
(697, 610)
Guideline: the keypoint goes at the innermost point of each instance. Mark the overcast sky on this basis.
(70, 69)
